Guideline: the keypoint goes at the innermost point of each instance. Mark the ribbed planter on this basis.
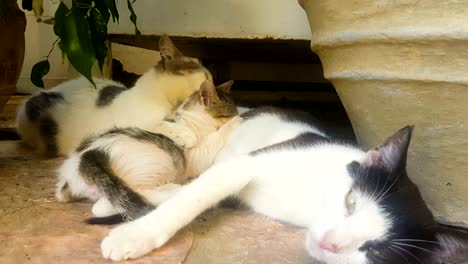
(404, 62)
(12, 26)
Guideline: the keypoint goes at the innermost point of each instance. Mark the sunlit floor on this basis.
(34, 228)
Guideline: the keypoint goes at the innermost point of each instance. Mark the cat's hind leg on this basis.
(137, 238)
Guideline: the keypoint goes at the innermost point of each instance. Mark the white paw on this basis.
(185, 139)
(103, 208)
(132, 240)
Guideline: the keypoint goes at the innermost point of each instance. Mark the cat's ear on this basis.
(392, 153)
(207, 93)
(225, 87)
(167, 48)
(452, 245)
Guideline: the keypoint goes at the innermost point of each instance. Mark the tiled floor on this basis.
(34, 228)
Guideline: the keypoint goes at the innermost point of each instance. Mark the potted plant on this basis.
(395, 63)
(81, 29)
(12, 26)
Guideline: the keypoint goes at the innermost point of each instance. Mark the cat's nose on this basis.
(332, 247)
(327, 244)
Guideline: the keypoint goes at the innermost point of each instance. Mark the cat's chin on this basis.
(313, 250)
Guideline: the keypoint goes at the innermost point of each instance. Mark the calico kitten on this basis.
(57, 120)
(360, 207)
(109, 167)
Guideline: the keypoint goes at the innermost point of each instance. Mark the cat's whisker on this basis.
(382, 190)
(417, 240)
(388, 189)
(398, 252)
(413, 246)
(388, 195)
(409, 253)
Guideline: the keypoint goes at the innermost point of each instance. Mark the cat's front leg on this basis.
(137, 238)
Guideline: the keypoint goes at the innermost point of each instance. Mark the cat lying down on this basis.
(55, 121)
(109, 168)
(359, 207)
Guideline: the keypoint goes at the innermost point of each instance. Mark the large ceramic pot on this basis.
(12, 26)
(395, 63)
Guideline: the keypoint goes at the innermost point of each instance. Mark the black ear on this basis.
(225, 87)
(167, 48)
(453, 245)
(392, 153)
(207, 93)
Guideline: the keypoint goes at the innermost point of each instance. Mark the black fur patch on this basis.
(40, 103)
(234, 203)
(48, 130)
(65, 187)
(106, 220)
(108, 94)
(95, 167)
(301, 141)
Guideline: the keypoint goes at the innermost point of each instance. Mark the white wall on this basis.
(283, 19)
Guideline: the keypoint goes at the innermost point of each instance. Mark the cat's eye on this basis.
(375, 252)
(350, 202)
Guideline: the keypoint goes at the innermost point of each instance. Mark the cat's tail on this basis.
(95, 167)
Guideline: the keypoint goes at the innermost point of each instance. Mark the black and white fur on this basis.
(360, 207)
(123, 166)
(55, 121)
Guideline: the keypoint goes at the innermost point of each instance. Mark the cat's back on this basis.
(265, 126)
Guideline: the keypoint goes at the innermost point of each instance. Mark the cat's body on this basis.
(57, 120)
(176, 150)
(360, 207)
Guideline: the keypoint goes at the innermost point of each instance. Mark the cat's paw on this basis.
(185, 138)
(103, 208)
(132, 240)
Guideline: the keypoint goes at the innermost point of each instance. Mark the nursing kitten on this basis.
(360, 207)
(57, 120)
(111, 166)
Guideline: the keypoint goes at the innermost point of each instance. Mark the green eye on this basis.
(350, 202)
(375, 252)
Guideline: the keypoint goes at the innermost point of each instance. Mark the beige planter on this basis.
(404, 62)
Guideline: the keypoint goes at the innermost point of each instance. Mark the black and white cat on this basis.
(57, 120)
(118, 167)
(360, 207)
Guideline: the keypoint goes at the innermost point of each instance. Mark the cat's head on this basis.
(179, 73)
(210, 105)
(380, 216)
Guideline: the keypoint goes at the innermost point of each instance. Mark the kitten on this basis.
(360, 207)
(57, 120)
(107, 166)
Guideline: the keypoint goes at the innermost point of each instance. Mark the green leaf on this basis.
(38, 71)
(133, 18)
(59, 16)
(98, 28)
(75, 42)
(113, 9)
(102, 7)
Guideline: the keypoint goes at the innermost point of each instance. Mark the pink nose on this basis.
(328, 246)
